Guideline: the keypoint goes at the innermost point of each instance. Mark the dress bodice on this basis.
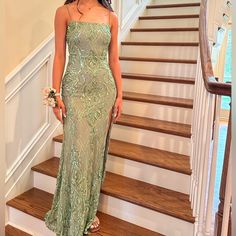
(88, 39)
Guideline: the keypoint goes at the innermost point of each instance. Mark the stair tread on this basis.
(151, 59)
(147, 155)
(172, 101)
(147, 43)
(155, 125)
(161, 78)
(192, 4)
(12, 231)
(156, 157)
(147, 195)
(169, 17)
(162, 29)
(36, 202)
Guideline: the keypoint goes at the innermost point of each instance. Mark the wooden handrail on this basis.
(211, 82)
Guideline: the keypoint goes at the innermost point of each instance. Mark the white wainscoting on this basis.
(28, 121)
(128, 12)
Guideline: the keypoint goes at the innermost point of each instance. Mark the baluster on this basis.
(219, 214)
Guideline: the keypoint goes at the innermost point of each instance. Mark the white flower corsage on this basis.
(50, 96)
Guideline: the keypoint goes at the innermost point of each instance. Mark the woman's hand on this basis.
(118, 108)
(57, 110)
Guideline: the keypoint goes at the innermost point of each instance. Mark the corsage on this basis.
(50, 96)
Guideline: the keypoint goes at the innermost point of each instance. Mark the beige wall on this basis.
(27, 23)
(2, 139)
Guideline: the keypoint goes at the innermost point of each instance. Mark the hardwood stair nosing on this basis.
(164, 60)
(173, 5)
(168, 79)
(182, 29)
(169, 17)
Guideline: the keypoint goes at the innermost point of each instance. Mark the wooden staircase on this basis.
(146, 188)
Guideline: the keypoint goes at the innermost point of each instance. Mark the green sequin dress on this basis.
(89, 93)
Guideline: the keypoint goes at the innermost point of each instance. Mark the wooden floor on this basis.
(36, 202)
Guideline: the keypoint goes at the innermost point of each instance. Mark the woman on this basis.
(91, 100)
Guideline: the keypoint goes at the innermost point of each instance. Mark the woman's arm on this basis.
(60, 24)
(114, 62)
(60, 47)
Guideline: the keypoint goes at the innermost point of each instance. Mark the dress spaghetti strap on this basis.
(109, 18)
(68, 11)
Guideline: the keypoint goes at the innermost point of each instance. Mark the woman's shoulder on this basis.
(113, 18)
(62, 10)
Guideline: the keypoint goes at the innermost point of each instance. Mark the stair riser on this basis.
(31, 224)
(156, 111)
(168, 52)
(149, 174)
(171, 11)
(176, 36)
(159, 68)
(168, 23)
(158, 88)
(153, 139)
(144, 217)
(159, 2)
(44, 182)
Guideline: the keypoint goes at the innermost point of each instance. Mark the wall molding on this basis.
(39, 60)
(28, 59)
(33, 158)
(31, 74)
(26, 151)
(129, 19)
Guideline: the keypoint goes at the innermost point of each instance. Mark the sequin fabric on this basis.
(89, 93)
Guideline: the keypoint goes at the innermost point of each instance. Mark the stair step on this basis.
(138, 192)
(147, 195)
(193, 4)
(137, 43)
(147, 155)
(183, 61)
(149, 98)
(169, 17)
(167, 79)
(167, 127)
(163, 29)
(12, 231)
(36, 202)
(152, 156)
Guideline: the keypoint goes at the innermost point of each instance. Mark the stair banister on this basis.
(205, 125)
(211, 82)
